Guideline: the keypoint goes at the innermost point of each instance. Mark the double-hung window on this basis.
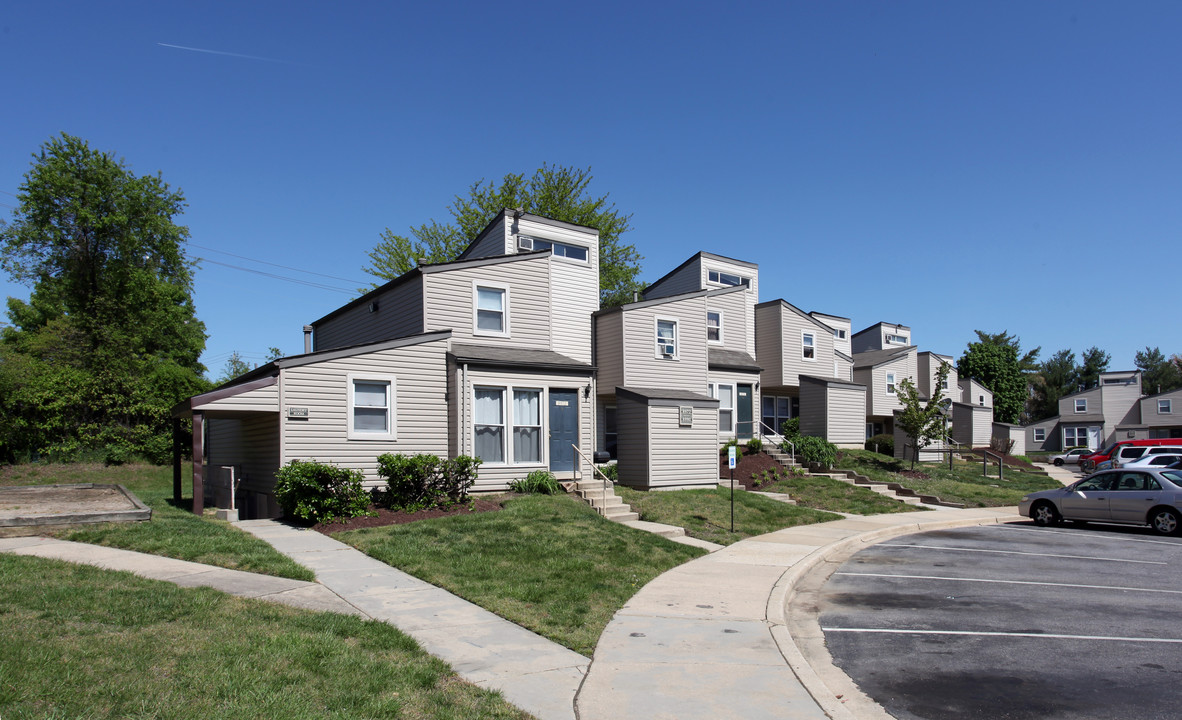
(1040, 434)
(808, 346)
(726, 406)
(1081, 405)
(489, 420)
(667, 339)
(527, 426)
(1164, 407)
(491, 305)
(714, 326)
(371, 406)
(890, 383)
(1075, 437)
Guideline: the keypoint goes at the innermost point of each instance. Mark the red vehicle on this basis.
(1088, 462)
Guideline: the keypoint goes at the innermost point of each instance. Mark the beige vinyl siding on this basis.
(494, 242)
(683, 455)
(738, 321)
(609, 350)
(972, 425)
(1011, 432)
(265, 399)
(587, 237)
(837, 323)
(420, 408)
(574, 292)
(836, 412)
(498, 476)
(878, 402)
(845, 369)
(814, 409)
(249, 441)
(399, 314)
(971, 392)
(1121, 404)
(769, 344)
(642, 367)
(686, 279)
(450, 301)
(792, 330)
(709, 263)
(927, 365)
(632, 446)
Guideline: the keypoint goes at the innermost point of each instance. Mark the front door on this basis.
(564, 429)
(1093, 438)
(745, 428)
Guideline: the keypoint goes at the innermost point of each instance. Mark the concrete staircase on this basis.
(609, 505)
(892, 490)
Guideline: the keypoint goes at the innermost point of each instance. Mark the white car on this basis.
(1159, 460)
(1129, 454)
(1071, 457)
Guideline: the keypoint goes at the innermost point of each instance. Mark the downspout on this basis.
(464, 411)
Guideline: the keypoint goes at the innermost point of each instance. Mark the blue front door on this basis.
(564, 429)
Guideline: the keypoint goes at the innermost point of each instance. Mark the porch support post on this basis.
(176, 460)
(198, 451)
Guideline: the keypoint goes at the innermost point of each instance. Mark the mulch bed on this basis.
(745, 465)
(386, 516)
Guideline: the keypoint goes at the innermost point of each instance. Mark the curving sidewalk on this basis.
(709, 639)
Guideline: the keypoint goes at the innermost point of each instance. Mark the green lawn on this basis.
(174, 531)
(80, 642)
(548, 563)
(964, 484)
(706, 514)
(823, 493)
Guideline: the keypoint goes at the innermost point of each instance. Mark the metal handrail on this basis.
(776, 438)
(606, 479)
(985, 455)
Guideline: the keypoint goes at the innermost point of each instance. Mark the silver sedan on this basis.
(1144, 496)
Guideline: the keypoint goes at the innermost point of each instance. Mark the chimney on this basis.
(307, 339)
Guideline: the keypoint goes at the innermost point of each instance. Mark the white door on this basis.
(1093, 438)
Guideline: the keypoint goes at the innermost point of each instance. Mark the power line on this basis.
(298, 281)
(285, 267)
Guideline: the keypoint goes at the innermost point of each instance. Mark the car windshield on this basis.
(1174, 476)
(1107, 450)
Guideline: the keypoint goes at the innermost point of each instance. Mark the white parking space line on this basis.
(1089, 535)
(1011, 582)
(1015, 552)
(1041, 636)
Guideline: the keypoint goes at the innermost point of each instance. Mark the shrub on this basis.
(611, 471)
(729, 443)
(790, 428)
(319, 492)
(816, 451)
(538, 482)
(414, 482)
(754, 445)
(885, 443)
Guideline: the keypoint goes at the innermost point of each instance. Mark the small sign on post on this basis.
(731, 454)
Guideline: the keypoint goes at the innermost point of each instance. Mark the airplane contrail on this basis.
(220, 52)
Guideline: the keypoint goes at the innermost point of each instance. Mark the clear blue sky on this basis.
(945, 165)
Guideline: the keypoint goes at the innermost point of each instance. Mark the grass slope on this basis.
(174, 531)
(548, 563)
(80, 642)
(706, 514)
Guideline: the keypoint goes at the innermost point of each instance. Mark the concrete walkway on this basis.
(535, 674)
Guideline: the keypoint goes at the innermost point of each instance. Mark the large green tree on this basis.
(1095, 361)
(1158, 375)
(108, 339)
(997, 363)
(1057, 376)
(557, 192)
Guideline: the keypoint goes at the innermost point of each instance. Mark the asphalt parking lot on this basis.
(1012, 621)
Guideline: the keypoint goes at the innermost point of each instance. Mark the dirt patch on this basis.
(746, 465)
(31, 510)
(386, 516)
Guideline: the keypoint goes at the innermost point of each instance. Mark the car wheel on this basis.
(1058, 462)
(1165, 521)
(1044, 514)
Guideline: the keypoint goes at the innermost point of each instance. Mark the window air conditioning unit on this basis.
(524, 243)
(667, 350)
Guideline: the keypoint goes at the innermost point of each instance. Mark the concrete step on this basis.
(597, 501)
(621, 515)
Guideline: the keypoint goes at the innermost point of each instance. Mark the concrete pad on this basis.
(314, 597)
(549, 694)
(238, 583)
(647, 639)
(664, 691)
(494, 650)
(9, 544)
(666, 531)
(349, 583)
(430, 607)
(695, 542)
(713, 590)
(778, 554)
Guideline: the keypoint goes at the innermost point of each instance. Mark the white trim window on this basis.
(808, 346)
(577, 253)
(490, 304)
(725, 394)
(488, 425)
(890, 383)
(896, 339)
(944, 382)
(527, 426)
(714, 326)
(1075, 437)
(371, 407)
(1081, 405)
(724, 278)
(1165, 407)
(666, 337)
(839, 334)
(1040, 434)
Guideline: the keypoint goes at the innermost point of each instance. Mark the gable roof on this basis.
(798, 311)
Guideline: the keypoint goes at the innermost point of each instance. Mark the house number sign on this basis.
(686, 416)
(297, 412)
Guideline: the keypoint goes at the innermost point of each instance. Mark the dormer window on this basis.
(667, 339)
(571, 252)
(723, 278)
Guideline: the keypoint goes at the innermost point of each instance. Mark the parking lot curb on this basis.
(836, 694)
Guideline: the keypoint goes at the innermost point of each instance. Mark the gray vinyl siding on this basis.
(633, 442)
(399, 314)
(642, 366)
(769, 347)
(574, 291)
(250, 442)
(265, 399)
(845, 369)
(874, 337)
(420, 407)
(686, 279)
(1011, 432)
(738, 321)
(878, 402)
(927, 365)
(450, 301)
(814, 410)
(683, 455)
(1052, 437)
(495, 241)
(972, 425)
(1151, 417)
(609, 350)
(494, 477)
(1121, 404)
(834, 412)
(1067, 404)
(971, 392)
